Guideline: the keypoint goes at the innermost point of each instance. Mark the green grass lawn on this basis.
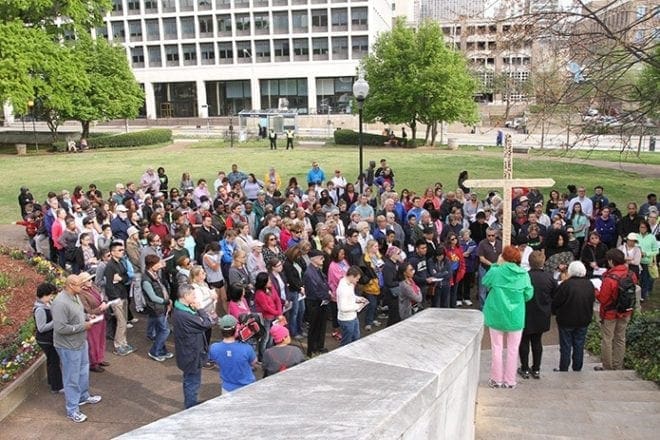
(414, 169)
(611, 156)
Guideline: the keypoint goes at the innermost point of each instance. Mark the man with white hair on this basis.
(150, 182)
(573, 305)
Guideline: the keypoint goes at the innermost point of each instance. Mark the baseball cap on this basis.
(121, 208)
(227, 322)
(132, 230)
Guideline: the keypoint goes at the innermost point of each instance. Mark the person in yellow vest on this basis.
(273, 139)
(289, 139)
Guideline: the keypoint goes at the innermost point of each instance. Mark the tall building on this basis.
(451, 9)
(218, 57)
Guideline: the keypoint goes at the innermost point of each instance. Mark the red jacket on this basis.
(269, 304)
(609, 292)
(453, 255)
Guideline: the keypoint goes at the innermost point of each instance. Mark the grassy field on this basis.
(611, 156)
(414, 169)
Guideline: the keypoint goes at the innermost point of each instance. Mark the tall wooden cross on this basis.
(507, 183)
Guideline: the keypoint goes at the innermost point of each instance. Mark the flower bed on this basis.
(19, 277)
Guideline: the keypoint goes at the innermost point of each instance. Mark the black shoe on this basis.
(558, 370)
(523, 373)
(536, 374)
(323, 350)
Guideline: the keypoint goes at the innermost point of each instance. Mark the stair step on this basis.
(485, 395)
(539, 426)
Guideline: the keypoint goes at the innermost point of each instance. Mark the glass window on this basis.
(298, 2)
(172, 55)
(281, 22)
(339, 48)
(169, 28)
(187, 27)
(207, 53)
(284, 94)
(133, 7)
(117, 7)
(262, 51)
(320, 48)
(359, 18)
(360, 47)
(333, 95)
(186, 5)
(241, 3)
(281, 50)
(153, 31)
(118, 32)
(168, 5)
(177, 100)
(155, 59)
(225, 53)
(300, 49)
(224, 25)
(299, 21)
(260, 3)
(102, 31)
(203, 5)
(244, 51)
(242, 24)
(340, 19)
(135, 30)
(189, 54)
(150, 6)
(261, 23)
(222, 4)
(226, 98)
(319, 20)
(137, 57)
(281, 2)
(205, 26)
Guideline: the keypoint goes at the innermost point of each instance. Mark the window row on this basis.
(136, 7)
(243, 52)
(256, 23)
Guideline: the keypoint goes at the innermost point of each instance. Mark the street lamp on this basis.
(360, 91)
(30, 104)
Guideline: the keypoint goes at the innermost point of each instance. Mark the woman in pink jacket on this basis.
(269, 304)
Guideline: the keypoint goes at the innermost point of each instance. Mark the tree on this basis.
(113, 92)
(647, 90)
(415, 77)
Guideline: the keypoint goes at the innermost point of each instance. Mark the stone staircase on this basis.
(589, 404)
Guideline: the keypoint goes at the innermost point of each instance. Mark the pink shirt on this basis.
(236, 309)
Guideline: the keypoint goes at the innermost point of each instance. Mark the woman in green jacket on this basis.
(649, 247)
(509, 288)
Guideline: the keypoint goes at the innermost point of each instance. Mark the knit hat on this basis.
(279, 333)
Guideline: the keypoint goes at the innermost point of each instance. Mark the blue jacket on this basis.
(315, 176)
(189, 340)
(316, 284)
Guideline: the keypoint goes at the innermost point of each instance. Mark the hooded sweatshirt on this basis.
(509, 289)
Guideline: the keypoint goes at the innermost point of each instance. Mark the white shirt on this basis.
(346, 301)
(587, 205)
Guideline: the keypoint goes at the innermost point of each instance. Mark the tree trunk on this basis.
(428, 132)
(434, 132)
(85, 129)
(413, 128)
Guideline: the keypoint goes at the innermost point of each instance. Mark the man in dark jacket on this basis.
(116, 280)
(630, 222)
(420, 261)
(537, 316)
(573, 305)
(316, 302)
(190, 324)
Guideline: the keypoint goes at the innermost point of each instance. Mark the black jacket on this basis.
(316, 284)
(539, 308)
(115, 290)
(189, 340)
(574, 303)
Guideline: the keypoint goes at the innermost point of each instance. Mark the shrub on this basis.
(350, 137)
(642, 344)
(134, 139)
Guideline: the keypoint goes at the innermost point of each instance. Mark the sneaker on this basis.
(376, 323)
(92, 400)
(599, 368)
(459, 303)
(129, 325)
(156, 358)
(323, 350)
(133, 321)
(168, 355)
(120, 351)
(467, 302)
(208, 365)
(536, 374)
(61, 391)
(493, 384)
(523, 373)
(77, 417)
(129, 348)
(367, 328)
(383, 316)
(506, 385)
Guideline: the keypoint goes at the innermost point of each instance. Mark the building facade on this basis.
(205, 58)
(451, 9)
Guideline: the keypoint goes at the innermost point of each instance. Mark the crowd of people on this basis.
(290, 258)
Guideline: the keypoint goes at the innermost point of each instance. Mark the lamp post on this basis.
(360, 91)
(30, 104)
(231, 132)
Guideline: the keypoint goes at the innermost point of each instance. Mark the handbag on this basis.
(653, 269)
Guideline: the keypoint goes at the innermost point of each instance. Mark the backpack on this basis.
(625, 300)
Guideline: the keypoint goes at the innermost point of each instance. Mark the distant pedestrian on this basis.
(273, 139)
(289, 138)
(499, 139)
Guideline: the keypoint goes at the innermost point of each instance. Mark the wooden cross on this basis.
(507, 183)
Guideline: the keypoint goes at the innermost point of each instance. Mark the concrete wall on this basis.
(415, 380)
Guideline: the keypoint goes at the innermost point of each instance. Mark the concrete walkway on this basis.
(603, 405)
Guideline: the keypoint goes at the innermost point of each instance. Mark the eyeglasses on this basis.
(454, 239)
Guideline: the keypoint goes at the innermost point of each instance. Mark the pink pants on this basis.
(498, 371)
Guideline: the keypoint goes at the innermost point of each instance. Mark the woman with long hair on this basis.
(557, 253)
(337, 267)
(205, 297)
(294, 269)
(239, 274)
(649, 247)
(212, 264)
(268, 303)
(371, 266)
(410, 294)
(454, 255)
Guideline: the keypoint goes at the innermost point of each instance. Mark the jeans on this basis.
(441, 295)
(646, 282)
(499, 372)
(75, 373)
(161, 331)
(265, 340)
(350, 331)
(318, 317)
(537, 351)
(54, 373)
(483, 290)
(571, 338)
(191, 384)
(613, 342)
(292, 318)
(370, 309)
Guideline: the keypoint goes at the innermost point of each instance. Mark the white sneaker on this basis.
(77, 417)
(376, 323)
(91, 400)
(367, 328)
(467, 302)
(459, 303)
(129, 325)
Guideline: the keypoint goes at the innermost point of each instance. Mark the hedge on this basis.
(642, 344)
(134, 139)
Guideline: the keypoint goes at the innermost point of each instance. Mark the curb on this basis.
(12, 396)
